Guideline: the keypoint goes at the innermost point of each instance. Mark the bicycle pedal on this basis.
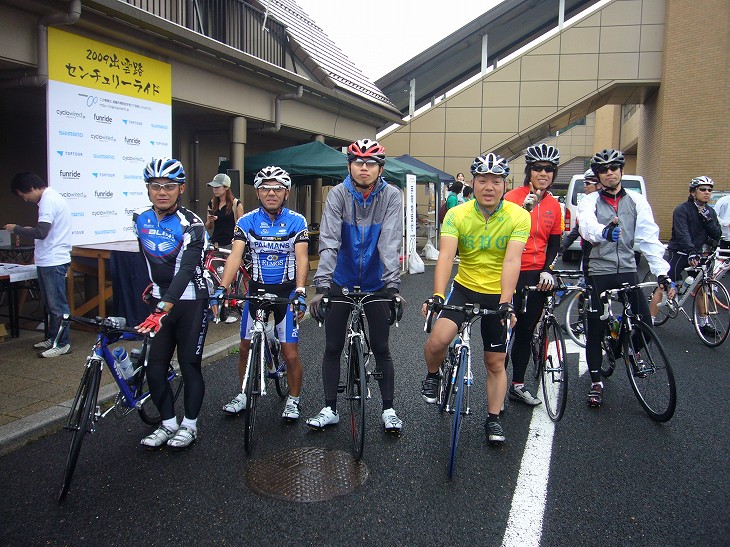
(368, 397)
(377, 374)
(341, 387)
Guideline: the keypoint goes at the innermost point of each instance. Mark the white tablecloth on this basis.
(18, 272)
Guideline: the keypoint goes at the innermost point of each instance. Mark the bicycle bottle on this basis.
(123, 363)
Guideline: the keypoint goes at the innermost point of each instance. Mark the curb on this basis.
(46, 422)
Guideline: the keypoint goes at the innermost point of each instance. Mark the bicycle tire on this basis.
(663, 313)
(80, 420)
(147, 411)
(252, 390)
(576, 319)
(356, 395)
(717, 312)
(457, 408)
(281, 379)
(554, 371)
(653, 381)
(535, 351)
(446, 370)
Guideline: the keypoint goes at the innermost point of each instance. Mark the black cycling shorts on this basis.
(491, 327)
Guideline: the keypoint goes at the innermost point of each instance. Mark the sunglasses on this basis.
(546, 168)
(704, 189)
(267, 189)
(168, 186)
(484, 170)
(605, 168)
(369, 163)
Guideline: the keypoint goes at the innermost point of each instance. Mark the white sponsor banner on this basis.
(411, 219)
(101, 134)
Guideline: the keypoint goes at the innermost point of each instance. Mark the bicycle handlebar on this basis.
(355, 297)
(472, 312)
(612, 294)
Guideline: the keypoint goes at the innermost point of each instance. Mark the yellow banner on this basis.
(80, 61)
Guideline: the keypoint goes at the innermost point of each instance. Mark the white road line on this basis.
(524, 525)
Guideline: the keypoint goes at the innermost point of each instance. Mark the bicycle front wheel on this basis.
(80, 420)
(457, 409)
(252, 389)
(714, 298)
(148, 412)
(554, 371)
(650, 373)
(356, 395)
(576, 318)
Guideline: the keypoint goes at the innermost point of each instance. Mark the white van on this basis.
(632, 183)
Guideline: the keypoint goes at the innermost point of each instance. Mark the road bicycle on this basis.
(358, 357)
(214, 262)
(709, 295)
(647, 365)
(548, 347)
(455, 370)
(577, 303)
(265, 359)
(133, 392)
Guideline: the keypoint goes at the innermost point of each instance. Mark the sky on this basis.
(380, 36)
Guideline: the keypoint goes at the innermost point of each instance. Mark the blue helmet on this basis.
(165, 168)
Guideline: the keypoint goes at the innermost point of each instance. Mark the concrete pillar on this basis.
(316, 210)
(238, 148)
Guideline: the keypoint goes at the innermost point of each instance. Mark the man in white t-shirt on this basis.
(52, 253)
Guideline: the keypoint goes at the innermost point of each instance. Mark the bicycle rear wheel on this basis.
(446, 370)
(457, 410)
(650, 373)
(554, 371)
(80, 420)
(148, 412)
(576, 318)
(356, 395)
(252, 389)
(664, 311)
(716, 299)
(281, 380)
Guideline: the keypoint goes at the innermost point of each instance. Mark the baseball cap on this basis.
(221, 179)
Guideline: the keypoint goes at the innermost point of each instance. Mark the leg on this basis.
(53, 288)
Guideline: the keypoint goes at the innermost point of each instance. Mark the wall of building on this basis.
(684, 129)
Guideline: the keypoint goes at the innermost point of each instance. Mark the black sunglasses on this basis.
(604, 168)
(546, 168)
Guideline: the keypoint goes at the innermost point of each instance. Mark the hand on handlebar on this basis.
(218, 295)
(298, 304)
(316, 310)
(693, 260)
(398, 305)
(546, 282)
(428, 305)
(507, 312)
(666, 284)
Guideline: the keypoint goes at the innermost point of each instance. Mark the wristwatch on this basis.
(162, 306)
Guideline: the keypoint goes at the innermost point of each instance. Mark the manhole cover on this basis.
(306, 474)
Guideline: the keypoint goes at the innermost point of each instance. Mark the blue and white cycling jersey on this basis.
(173, 248)
(271, 244)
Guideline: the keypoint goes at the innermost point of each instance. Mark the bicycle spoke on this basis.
(554, 372)
(356, 394)
(713, 325)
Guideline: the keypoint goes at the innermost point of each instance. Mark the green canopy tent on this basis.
(316, 159)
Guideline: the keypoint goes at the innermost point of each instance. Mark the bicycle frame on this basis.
(213, 263)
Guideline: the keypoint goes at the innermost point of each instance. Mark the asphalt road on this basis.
(615, 476)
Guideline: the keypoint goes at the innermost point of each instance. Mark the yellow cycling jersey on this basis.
(483, 244)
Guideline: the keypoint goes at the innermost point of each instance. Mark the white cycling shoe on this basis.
(237, 405)
(325, 418)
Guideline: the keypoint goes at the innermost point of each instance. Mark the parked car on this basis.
(576, 192)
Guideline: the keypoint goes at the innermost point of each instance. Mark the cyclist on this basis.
(359, 245)
(172, 239)
(278, 241)
(612, 220)
(541, 168)
(590, 185)
(694, 224)
(490, 234)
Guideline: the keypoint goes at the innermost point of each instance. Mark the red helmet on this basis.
(366, 149)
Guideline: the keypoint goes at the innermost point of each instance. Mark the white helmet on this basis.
(701, 181)
(490, 163)
(272, 172)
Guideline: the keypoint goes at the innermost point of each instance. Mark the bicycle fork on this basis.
(462, 348)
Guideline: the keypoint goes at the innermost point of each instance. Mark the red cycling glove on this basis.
(153, 321)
